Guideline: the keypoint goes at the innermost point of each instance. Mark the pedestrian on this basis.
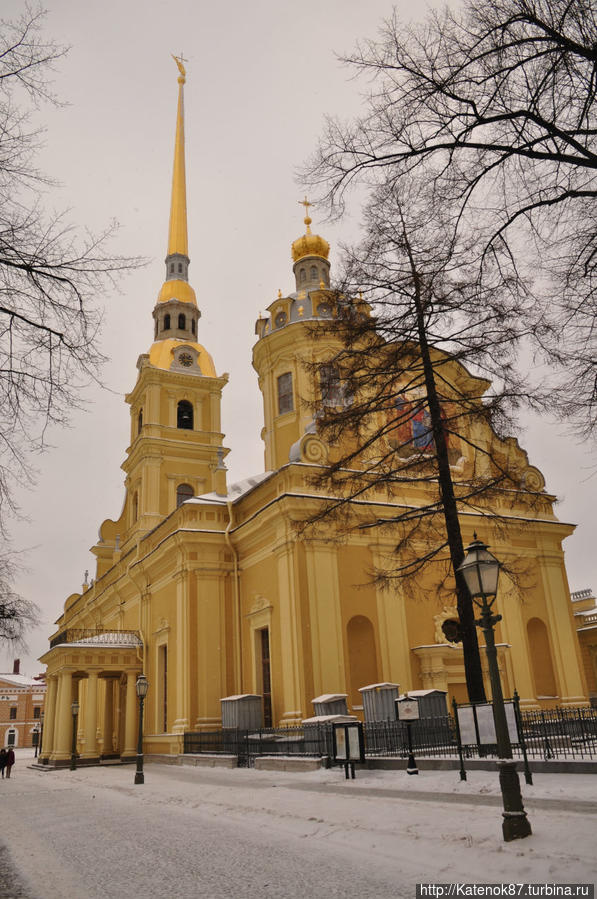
(2, 760)
(10, 760)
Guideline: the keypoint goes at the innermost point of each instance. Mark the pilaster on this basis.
(327, 645)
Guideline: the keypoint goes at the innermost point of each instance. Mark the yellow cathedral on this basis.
(209, 590)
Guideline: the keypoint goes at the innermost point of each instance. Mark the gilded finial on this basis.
(307, 219)
(301, 311)
(279, 294)
(180, 60)
(321, 285)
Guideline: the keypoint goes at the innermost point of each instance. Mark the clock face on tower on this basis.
(185, 359)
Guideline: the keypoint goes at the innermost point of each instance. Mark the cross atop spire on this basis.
(307, 219)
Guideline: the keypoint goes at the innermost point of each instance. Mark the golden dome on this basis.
(161, 355)
(177, 290)
(309, 244)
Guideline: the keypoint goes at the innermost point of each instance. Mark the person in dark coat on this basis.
(10, 760)
(2, 760)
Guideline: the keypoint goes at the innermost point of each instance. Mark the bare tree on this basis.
(51, 275)
(51, 278)
(495, 104)
(17, 614)
(418, 398)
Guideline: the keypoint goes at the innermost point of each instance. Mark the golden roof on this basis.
(309, 244)
(177, 233)
(161, 355)
(177, 290)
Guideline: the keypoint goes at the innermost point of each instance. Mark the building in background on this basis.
(585, 615)
(210, 591)
(21, 708)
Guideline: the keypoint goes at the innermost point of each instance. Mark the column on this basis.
(564, 642)
(513, 631)
(181, 699)
(211, 647)
(130, 729)
(108, 747)
(49, 717)
(393, 627)
(64, 718)
(91, 749)
(290, 645)
(327, 636)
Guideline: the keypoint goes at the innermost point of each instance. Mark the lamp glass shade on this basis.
(480, 569)
(75, 707)
(142, 686)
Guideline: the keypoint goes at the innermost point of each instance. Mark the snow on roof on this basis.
(383, 686)
(330, 697)
(235, 491)
(20, 680)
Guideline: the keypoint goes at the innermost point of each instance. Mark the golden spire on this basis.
(177, 235)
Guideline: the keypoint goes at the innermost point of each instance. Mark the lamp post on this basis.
(141, 687)
(481, 571)
(73, 752)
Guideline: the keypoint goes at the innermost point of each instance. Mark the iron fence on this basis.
(557, 733)
(308, 740)
(560, 733)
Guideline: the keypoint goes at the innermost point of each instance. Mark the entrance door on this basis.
(266, 684)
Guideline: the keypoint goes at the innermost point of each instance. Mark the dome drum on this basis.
(311, 272)
(177, 267)
(175, 319)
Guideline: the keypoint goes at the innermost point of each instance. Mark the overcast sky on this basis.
(261, 76)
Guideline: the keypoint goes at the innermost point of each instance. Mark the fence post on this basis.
(462, 769)
(527, 771)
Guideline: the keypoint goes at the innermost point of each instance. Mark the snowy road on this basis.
(190, 832)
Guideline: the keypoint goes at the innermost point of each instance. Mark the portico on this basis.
(99, 669)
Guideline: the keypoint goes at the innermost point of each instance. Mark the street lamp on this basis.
(141, 687)
(73, 752)
(481, 571)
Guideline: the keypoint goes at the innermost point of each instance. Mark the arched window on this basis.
(182, 321)
(171, 266)
(180, 266)
(541, 659)
(135, 506)
(183, 492)
(167, 322)
(362, 657)
(140, 421)
(285, 398)
(302, 275)
(184, 415)
(313, 272)
(193, 325)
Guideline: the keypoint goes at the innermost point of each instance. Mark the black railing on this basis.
(310, 740)
(553, 734)
(92, 635)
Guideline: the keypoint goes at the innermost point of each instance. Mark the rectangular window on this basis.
(285, 398)
(331, 386)
(266, 685)
(13, 713)
(37, 711)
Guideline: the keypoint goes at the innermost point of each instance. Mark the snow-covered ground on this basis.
(209, 832)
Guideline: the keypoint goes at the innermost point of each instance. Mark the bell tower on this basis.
(286, 351)
(176, 446)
